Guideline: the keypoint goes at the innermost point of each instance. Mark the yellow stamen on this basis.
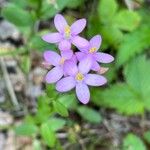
(67, 31)
(79, 76)
(62, 61)
(92, 50)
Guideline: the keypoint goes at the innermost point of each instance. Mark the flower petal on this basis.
(83, 93)
(60, 23)
(95, 80)
(54, 75)
(95, 66)
(85, 65)
(96, 41)
(64, 45)
(78, 26)
(65, 84)
(52, 37)
(103, 57)
(80, 55)
(80, 42)
(67, 54)
(52, 57)
(70, 67)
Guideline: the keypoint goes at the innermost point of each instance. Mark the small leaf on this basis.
(26, 129)
(25, 64)
(127, 20)
(60, 108)
(56, 123)
(69, 101)
(107, 10)
(17, 15)
(48, 135)
(132, 142)
(89, 114)
(37, 145)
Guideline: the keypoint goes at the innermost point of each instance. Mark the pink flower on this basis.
(67, 34)
(91, 52)
(80, 79)
(59, 63)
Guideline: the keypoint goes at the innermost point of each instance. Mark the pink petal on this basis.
(52, 37)
(85, 65)
(64, 45)
(96, 41)
(70, 67)
(78, 26)
(95, 66)
(54, 75)
(80, 55)
(65, 84)
(95, 80)
(103, 57)
(83, 93)
(52, 57)
(67, 54)
(80, 42)
(60, 23)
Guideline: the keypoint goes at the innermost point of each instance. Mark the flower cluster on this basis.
(71, 69)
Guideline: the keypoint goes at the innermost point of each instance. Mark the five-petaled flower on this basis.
(72, 70)
(91, 52)
(67, 34)
(79, 78)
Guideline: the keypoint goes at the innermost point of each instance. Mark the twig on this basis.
(9, 84)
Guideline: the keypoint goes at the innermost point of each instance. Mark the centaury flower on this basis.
(79, 78)
(59, 63)
(91, 52)
(67, 34)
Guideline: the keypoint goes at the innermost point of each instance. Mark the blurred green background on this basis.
(117, 117)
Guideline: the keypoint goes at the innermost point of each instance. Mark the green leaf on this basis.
(127, 20)
(60, 108)
(25, 64)
(75, 3)
(135, 42)
(56, 123)
(147, 136)
(26, 129)
(89, 114)
(17, 15)
(137, 74)
(36, 43)
(133, 142)
(48, 135)
(119, 97)
(107, 10)
(69, 101)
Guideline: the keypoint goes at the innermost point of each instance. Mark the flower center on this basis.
(62, 60)
(92, 50)
(79, 76)
(67, 31)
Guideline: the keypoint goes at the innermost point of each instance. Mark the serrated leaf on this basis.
(56, 123)
(26, 129)
(48, 135)
(107, 10)
(127, 20)
(17, 15)
(60, 108)
(137, 74)
(121, 98)
(89, 114)
(133, 142)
